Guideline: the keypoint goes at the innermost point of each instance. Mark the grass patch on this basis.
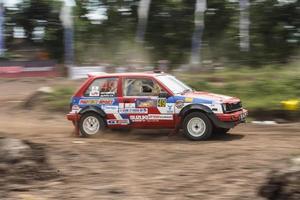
(59, 100)
(261, 88)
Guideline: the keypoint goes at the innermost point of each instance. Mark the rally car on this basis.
(151, 100)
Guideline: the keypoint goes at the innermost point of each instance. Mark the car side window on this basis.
(102, 87)
(140, 87)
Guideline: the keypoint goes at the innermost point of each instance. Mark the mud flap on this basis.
(76, 131)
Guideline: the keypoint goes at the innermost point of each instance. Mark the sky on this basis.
(10, 3)
(95, 15)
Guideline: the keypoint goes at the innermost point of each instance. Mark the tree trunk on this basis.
(244, 25)
(143, 11)
(195, 61)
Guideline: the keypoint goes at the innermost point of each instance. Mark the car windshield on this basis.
(175, 85)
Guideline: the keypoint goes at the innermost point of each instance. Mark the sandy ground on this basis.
(143, 164)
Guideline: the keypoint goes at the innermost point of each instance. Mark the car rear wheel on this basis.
(197, 126)
(91, 124)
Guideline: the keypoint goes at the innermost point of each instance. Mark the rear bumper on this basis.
(229, 120)
(73, 116)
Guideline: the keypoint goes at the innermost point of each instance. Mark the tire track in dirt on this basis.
(147, 164)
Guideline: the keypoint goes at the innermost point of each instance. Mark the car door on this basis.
(142, 105)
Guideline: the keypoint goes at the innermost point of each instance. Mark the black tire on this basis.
(205, 133)
(221, 131)
(97, 119)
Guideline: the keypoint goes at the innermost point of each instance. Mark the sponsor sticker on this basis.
(129, 105)
(121, 105)
(170, 107)
(75, 109)
(150, 117)
(188, 100)
(88, 101)
(138, 118)
(108, 101)
(95, 91)
(110, 109)
(160, 117)
(179, 104)
(161, 102)
(146, 103)
(117, 121)
(107, 94)
(133, 110)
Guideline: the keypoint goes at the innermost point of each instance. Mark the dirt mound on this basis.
(37, 97)
(21, 162)
(283, 184)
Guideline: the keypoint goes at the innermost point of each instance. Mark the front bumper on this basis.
(235, 116)
(229, 120)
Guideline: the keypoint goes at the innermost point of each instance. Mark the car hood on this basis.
(211, 96)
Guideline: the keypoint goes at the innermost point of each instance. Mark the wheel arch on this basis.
(93, 109)
(194, 108)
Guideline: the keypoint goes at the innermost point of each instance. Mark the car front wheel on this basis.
(197, 126)
(91, 124)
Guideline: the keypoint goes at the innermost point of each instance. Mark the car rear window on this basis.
(102, 87)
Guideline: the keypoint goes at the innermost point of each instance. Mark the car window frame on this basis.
(97, 78)
(121, 80)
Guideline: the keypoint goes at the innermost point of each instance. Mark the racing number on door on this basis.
(161, 102)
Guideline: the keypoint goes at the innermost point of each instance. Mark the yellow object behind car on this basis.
(292, 104)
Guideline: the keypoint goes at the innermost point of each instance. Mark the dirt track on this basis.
(145, 164)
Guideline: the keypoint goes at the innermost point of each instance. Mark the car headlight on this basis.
(224, 107)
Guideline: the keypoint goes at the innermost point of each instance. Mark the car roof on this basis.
(125, 74)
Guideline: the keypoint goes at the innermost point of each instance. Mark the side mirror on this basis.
(163, 95)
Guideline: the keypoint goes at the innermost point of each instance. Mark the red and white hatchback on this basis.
(151, 100)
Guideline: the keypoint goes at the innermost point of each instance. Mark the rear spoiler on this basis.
(92, 74)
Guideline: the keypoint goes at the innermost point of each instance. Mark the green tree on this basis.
(41, 13)
(170, 29)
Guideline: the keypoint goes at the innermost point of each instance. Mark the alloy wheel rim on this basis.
(91, 125)
(196, 127)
